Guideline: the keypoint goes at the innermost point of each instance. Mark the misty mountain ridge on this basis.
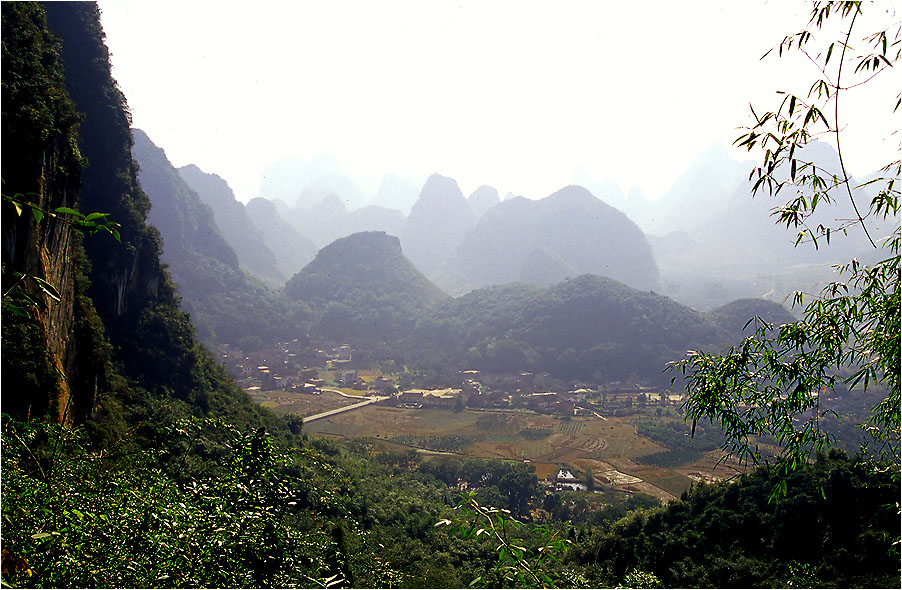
(304, 184)
(482, 199)
(743, 251)
(722, 243)
(226, 304)
(330, 220)
(567, 233)
(241, 233)
(634, 205)
(397, 193)
(436, 224)
(186, 224)
(292, 250)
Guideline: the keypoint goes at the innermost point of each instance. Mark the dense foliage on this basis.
(834, 528)
(683, 445)
(588, 328)
(364, 288)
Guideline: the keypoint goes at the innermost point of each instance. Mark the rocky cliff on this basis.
(41, 173)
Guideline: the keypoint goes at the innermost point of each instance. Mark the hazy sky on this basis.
(511, 94)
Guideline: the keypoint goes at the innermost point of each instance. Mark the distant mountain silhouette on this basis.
(241, 233)
(397, 193)
(568, 233)
(330, 219)
(186, 224)
(364, 287)
(742, 250)
(436, 224)
(226, 305)
(351, 195)
(292, 251)
(483, 199)
(304, 184)
(699, 195)
(634, 205)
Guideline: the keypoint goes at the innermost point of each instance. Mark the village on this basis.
(310, 369)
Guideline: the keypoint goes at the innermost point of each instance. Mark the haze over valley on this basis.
(704, 243)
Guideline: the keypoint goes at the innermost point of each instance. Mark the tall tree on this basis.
(777, 382)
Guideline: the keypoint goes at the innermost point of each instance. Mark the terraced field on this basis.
(608, 446)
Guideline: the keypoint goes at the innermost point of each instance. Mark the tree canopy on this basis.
(777, 382)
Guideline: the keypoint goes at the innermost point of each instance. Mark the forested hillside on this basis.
(364, 288)
(587, 328)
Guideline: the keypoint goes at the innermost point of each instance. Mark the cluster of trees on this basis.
(833, 528)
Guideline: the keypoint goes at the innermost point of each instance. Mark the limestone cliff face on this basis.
(42, 168)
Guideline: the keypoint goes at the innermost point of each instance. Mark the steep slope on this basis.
(239, 231)
(158, 371)
(365, 288)
(225, 304)
(187, 225)
(570, 226)
(292, 251)
(57, 338)
(151, 340)
(436, 224)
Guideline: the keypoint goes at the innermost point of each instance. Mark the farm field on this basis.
(300, 404)
(608, 446)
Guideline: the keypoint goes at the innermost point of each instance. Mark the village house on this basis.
(412, 397)
(435, 398)
(346, 378)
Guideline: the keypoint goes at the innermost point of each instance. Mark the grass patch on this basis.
(536, 433)
(671, 457)
(501, 438)
(674, 484)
